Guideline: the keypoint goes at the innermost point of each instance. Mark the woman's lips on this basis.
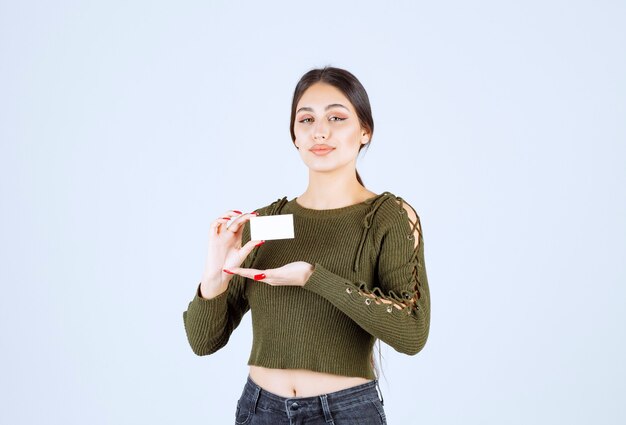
(321, 149)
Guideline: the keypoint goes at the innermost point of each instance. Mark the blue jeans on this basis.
(358, 405)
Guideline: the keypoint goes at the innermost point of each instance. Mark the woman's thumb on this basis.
(247, 248)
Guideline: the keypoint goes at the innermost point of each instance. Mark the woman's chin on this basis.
(322, 168)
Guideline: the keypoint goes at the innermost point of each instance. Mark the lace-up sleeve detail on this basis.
(397, 307)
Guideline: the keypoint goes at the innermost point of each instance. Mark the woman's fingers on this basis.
(248, 247)
(292, 274)
(226, 218)
(231, 214)
(215, 225)
(254, 274)
(237, 256)
(236, 223)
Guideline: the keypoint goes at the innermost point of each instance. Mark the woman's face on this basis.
(327, 129)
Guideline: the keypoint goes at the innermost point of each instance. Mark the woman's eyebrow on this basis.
(306, 108)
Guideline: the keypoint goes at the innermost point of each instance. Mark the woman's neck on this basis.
(327, 190)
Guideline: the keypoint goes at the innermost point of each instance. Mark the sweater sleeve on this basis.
(397, 310)
(210, 322)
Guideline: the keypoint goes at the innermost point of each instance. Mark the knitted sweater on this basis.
(369, 281)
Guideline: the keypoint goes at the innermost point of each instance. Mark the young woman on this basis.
(353, 273)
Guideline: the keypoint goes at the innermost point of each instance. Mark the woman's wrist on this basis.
(208, 292)
(308, 274)
(212, 287)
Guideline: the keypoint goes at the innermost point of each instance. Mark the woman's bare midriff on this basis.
(301, 382)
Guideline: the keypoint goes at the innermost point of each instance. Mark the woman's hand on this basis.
(225, 251)
(292, 274)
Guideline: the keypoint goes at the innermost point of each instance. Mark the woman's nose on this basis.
(321, 130)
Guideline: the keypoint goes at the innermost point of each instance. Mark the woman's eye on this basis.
(333, 118)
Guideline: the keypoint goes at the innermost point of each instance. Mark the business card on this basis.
(271, 227)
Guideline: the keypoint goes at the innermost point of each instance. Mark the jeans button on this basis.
(295, 406)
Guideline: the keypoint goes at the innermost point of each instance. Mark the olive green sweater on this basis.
(369, 281)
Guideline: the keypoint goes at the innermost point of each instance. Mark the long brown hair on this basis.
(349, 85)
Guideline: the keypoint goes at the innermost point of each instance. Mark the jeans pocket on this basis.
(360, 412)
(381, 411)
(243, 413)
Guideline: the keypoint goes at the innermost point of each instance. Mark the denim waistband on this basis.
(330, 401)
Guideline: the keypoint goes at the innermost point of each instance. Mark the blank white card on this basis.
(271, 227)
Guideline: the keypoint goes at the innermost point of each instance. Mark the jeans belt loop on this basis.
(327, 416)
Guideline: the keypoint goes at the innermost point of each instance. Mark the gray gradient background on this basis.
(126, 127)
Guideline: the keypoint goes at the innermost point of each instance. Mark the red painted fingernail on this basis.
(259, 276)
(254, 212)
(238, 212)
(260, 243)
(227, 218)
(228, 271)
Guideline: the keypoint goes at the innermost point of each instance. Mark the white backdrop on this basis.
(126, 127)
